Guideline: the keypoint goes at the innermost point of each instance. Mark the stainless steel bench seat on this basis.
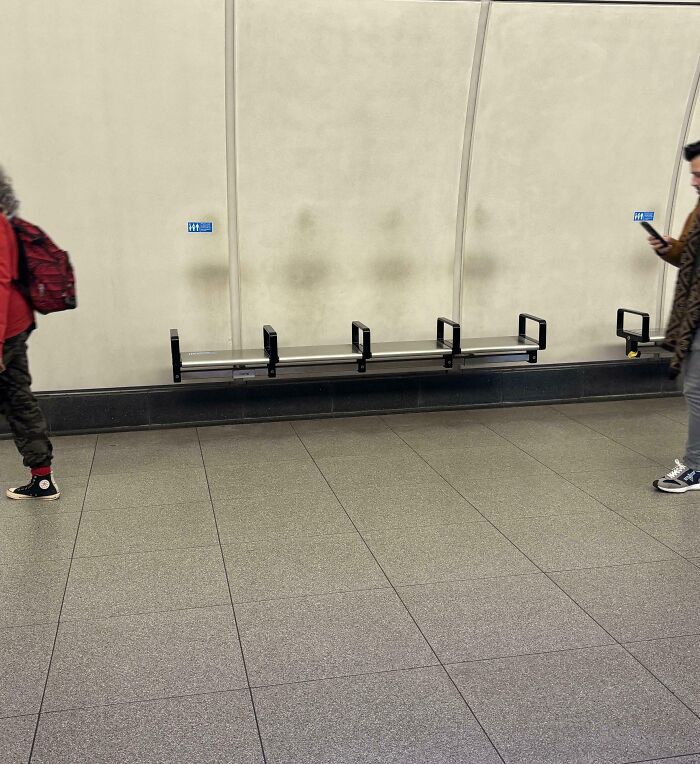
(361, 350)
(318, 354)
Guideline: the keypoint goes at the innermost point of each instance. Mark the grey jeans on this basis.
(691, 391)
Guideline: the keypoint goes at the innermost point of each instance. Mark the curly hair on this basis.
(9, 204)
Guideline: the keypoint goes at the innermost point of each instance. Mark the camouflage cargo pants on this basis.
(20, 407)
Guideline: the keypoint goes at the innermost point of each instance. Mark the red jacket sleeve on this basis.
(8, 264)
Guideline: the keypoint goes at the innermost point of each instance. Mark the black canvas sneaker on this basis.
(679, 480)
(41, 487)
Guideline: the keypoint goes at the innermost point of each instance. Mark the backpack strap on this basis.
(22, 280)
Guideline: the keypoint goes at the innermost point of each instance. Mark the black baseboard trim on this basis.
(257, 400)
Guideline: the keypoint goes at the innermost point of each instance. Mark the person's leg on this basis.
(691, 392)
(26, 421)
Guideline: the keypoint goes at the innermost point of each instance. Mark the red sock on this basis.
(41, 471)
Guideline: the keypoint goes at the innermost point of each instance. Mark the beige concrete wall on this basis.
(577, 127)
(113, 129)
(349, 126)
(350, 116)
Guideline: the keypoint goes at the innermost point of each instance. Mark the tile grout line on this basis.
(598, 501)
(361, 536)
(233, 610)
(645, 668)
(677, 757)
(408, 612)
(634, 657)
(63, 599)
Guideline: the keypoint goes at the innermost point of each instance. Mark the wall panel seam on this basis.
(232, 175)
(465, 167)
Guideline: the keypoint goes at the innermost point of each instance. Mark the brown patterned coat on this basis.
(685, 313)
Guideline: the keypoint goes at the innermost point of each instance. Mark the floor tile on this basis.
(238, 483)
(498, 416)
(634, 602)
(217, 729)
(446, 553)
(142, 657)
(418, 419)
(676, 663)
(593, 705)
(661, 448)
(445, 437)
(217, 454)
(251, 444)
(72, 490)
(176, 436)
(31, 592)
(144, 489)
(402, 717)
(300, 566)
(496, 617)
(237, 433)
(153, 458)
(672, 760)
(527, 494)
(344, 473)
(346, 442)
(74, 441)
(630, 491)
(634, 407)
(587, 456)
(678, 527)
(16, 737)
(38, 537)
(632, 427)
(280, 515)
(24, 663)
(145, 529)
(100, 587)
(587, 540)
(461, 467)
(338, 425)
(404, 506)
(329, 636)
(465, 426)
(542, 429)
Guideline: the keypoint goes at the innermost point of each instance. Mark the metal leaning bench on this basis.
(360, 350)
(645, 336)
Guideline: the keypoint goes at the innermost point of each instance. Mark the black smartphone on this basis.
(653, 232)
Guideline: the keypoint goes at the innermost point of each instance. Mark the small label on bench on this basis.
(242, 373)
(200, 227)
(639, 216)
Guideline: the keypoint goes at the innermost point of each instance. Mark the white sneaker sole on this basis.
(679, 490)
(19, 497)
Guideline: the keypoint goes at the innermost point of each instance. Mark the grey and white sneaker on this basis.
(679, 480)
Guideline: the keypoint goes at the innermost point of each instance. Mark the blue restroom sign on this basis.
(200, 227)
(640, 216)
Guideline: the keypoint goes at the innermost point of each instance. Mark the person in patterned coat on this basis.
(682, 336)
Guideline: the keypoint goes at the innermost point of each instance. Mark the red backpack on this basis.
(45, 274)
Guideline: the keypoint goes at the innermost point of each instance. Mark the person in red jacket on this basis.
(17, 402)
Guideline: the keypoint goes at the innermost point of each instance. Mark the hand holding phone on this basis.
(654, 234)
